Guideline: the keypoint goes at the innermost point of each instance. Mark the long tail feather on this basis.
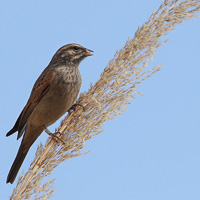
(17, 164)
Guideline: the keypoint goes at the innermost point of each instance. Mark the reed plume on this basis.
(105, 99)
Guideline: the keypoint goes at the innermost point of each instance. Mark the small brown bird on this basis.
(52, 95)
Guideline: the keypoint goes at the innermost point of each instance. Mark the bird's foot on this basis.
(54, 135)
(73, 108)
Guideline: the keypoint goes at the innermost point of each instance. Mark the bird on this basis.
(53, 94)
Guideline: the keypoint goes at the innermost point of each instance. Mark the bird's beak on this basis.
(88, 52)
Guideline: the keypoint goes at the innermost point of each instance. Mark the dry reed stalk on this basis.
(106, 99)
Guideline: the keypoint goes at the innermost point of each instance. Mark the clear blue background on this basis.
(150, 152)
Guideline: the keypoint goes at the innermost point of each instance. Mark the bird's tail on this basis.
(17, 164)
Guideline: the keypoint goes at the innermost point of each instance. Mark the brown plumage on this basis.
(52, 95)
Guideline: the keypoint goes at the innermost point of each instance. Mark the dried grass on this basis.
(106, 99)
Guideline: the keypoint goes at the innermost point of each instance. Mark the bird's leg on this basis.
(53, 135)
(74, 107)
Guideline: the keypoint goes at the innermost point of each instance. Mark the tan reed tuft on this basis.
(106, 99)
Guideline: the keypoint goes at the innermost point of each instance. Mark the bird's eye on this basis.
(75, 48)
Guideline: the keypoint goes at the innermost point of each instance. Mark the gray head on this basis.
(71, 53)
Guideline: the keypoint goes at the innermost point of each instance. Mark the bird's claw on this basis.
(74, 107)
(54, 136)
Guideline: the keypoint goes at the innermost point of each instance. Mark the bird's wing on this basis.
(40, 88)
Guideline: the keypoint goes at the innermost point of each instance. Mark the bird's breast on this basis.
(61, 95)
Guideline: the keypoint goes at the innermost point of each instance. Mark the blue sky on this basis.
(150, 152)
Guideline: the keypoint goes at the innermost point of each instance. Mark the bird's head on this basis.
(72, 53)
